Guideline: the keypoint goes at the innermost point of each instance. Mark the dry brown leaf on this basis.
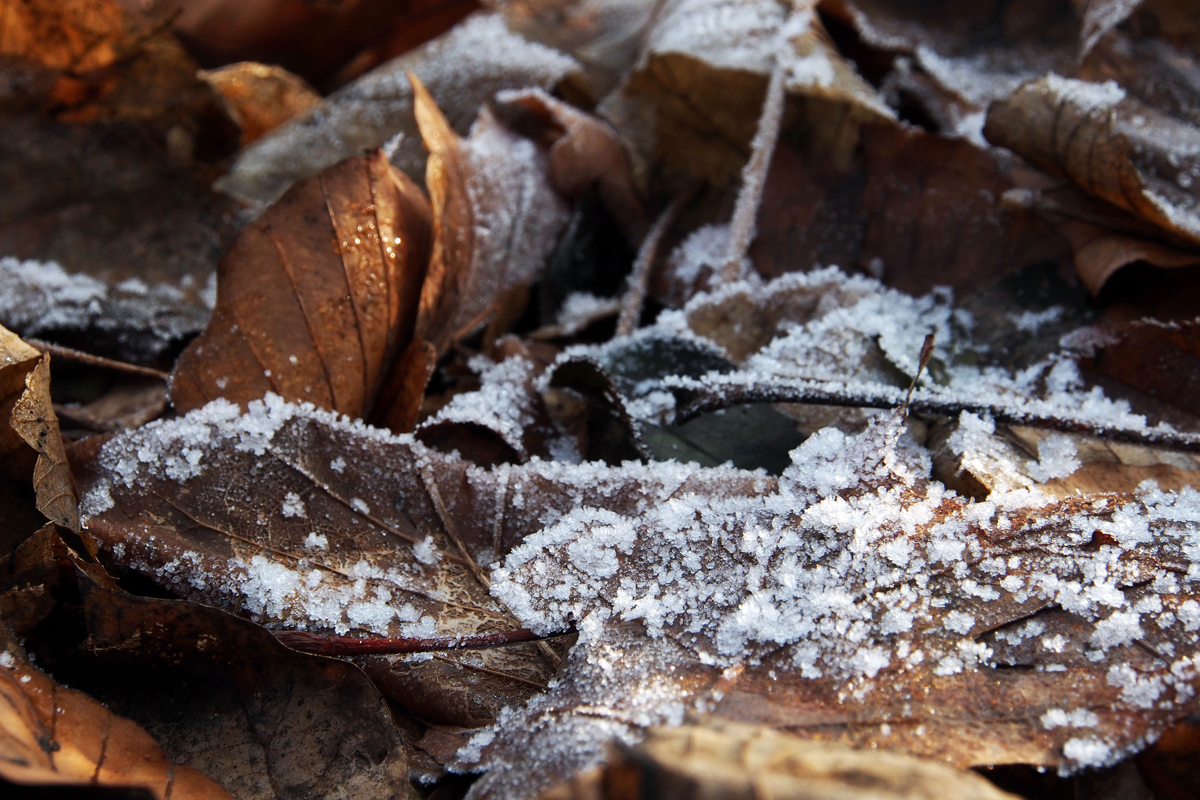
(1098, 17)
(726, 761)
(495, 217)
(29, 428)
(260, 97)
(317, 296)
(51, 735)
(1160, 358)
(1110, 145)
(914, 209)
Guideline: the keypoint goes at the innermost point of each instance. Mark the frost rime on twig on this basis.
(635, 295)
(742, 227)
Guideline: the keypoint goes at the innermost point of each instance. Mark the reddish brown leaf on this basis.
(915, 210)
(317, 296)
(1161, 359)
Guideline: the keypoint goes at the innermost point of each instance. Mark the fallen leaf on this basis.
(1160, 358)
(113, 241)
(915, 210)
(317, 296)
(260, 97)
(601, 34)
(464, 69)
(583, 151)
(30, 428)
(495, 216)
(1098, 17)
(1111, 145)
(726, 761)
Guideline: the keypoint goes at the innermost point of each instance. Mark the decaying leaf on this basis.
(464, 69)
(1120, 351)
(260, 97)
(495, 219)
(726, 761)
(1111, 145)
(52, 735)
(30, 442)
(317, 296)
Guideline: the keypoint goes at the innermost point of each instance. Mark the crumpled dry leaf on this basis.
(1111, 145)
(317, 296)
(690, 107)
(260, 97)
(1160, 358)
(1103, 238)
(219, 694)
(30, 442)
(727, 761)
(463, 69)
(495, 215)
(583, 151)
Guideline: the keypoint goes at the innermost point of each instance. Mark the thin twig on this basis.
(923, 361)
(639, 277)
(743, 224)
(70, 354)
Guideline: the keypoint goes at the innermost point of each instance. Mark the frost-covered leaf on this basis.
(1098, 17)
(317, 296)
(463, 69)
(1109, 144)
(1160, 358)
(305, 521)
(496, 218)
(862, 603)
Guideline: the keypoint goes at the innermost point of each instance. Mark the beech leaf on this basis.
(260, 97)
(317, 296)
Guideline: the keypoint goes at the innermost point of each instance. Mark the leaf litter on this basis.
(955, 579)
